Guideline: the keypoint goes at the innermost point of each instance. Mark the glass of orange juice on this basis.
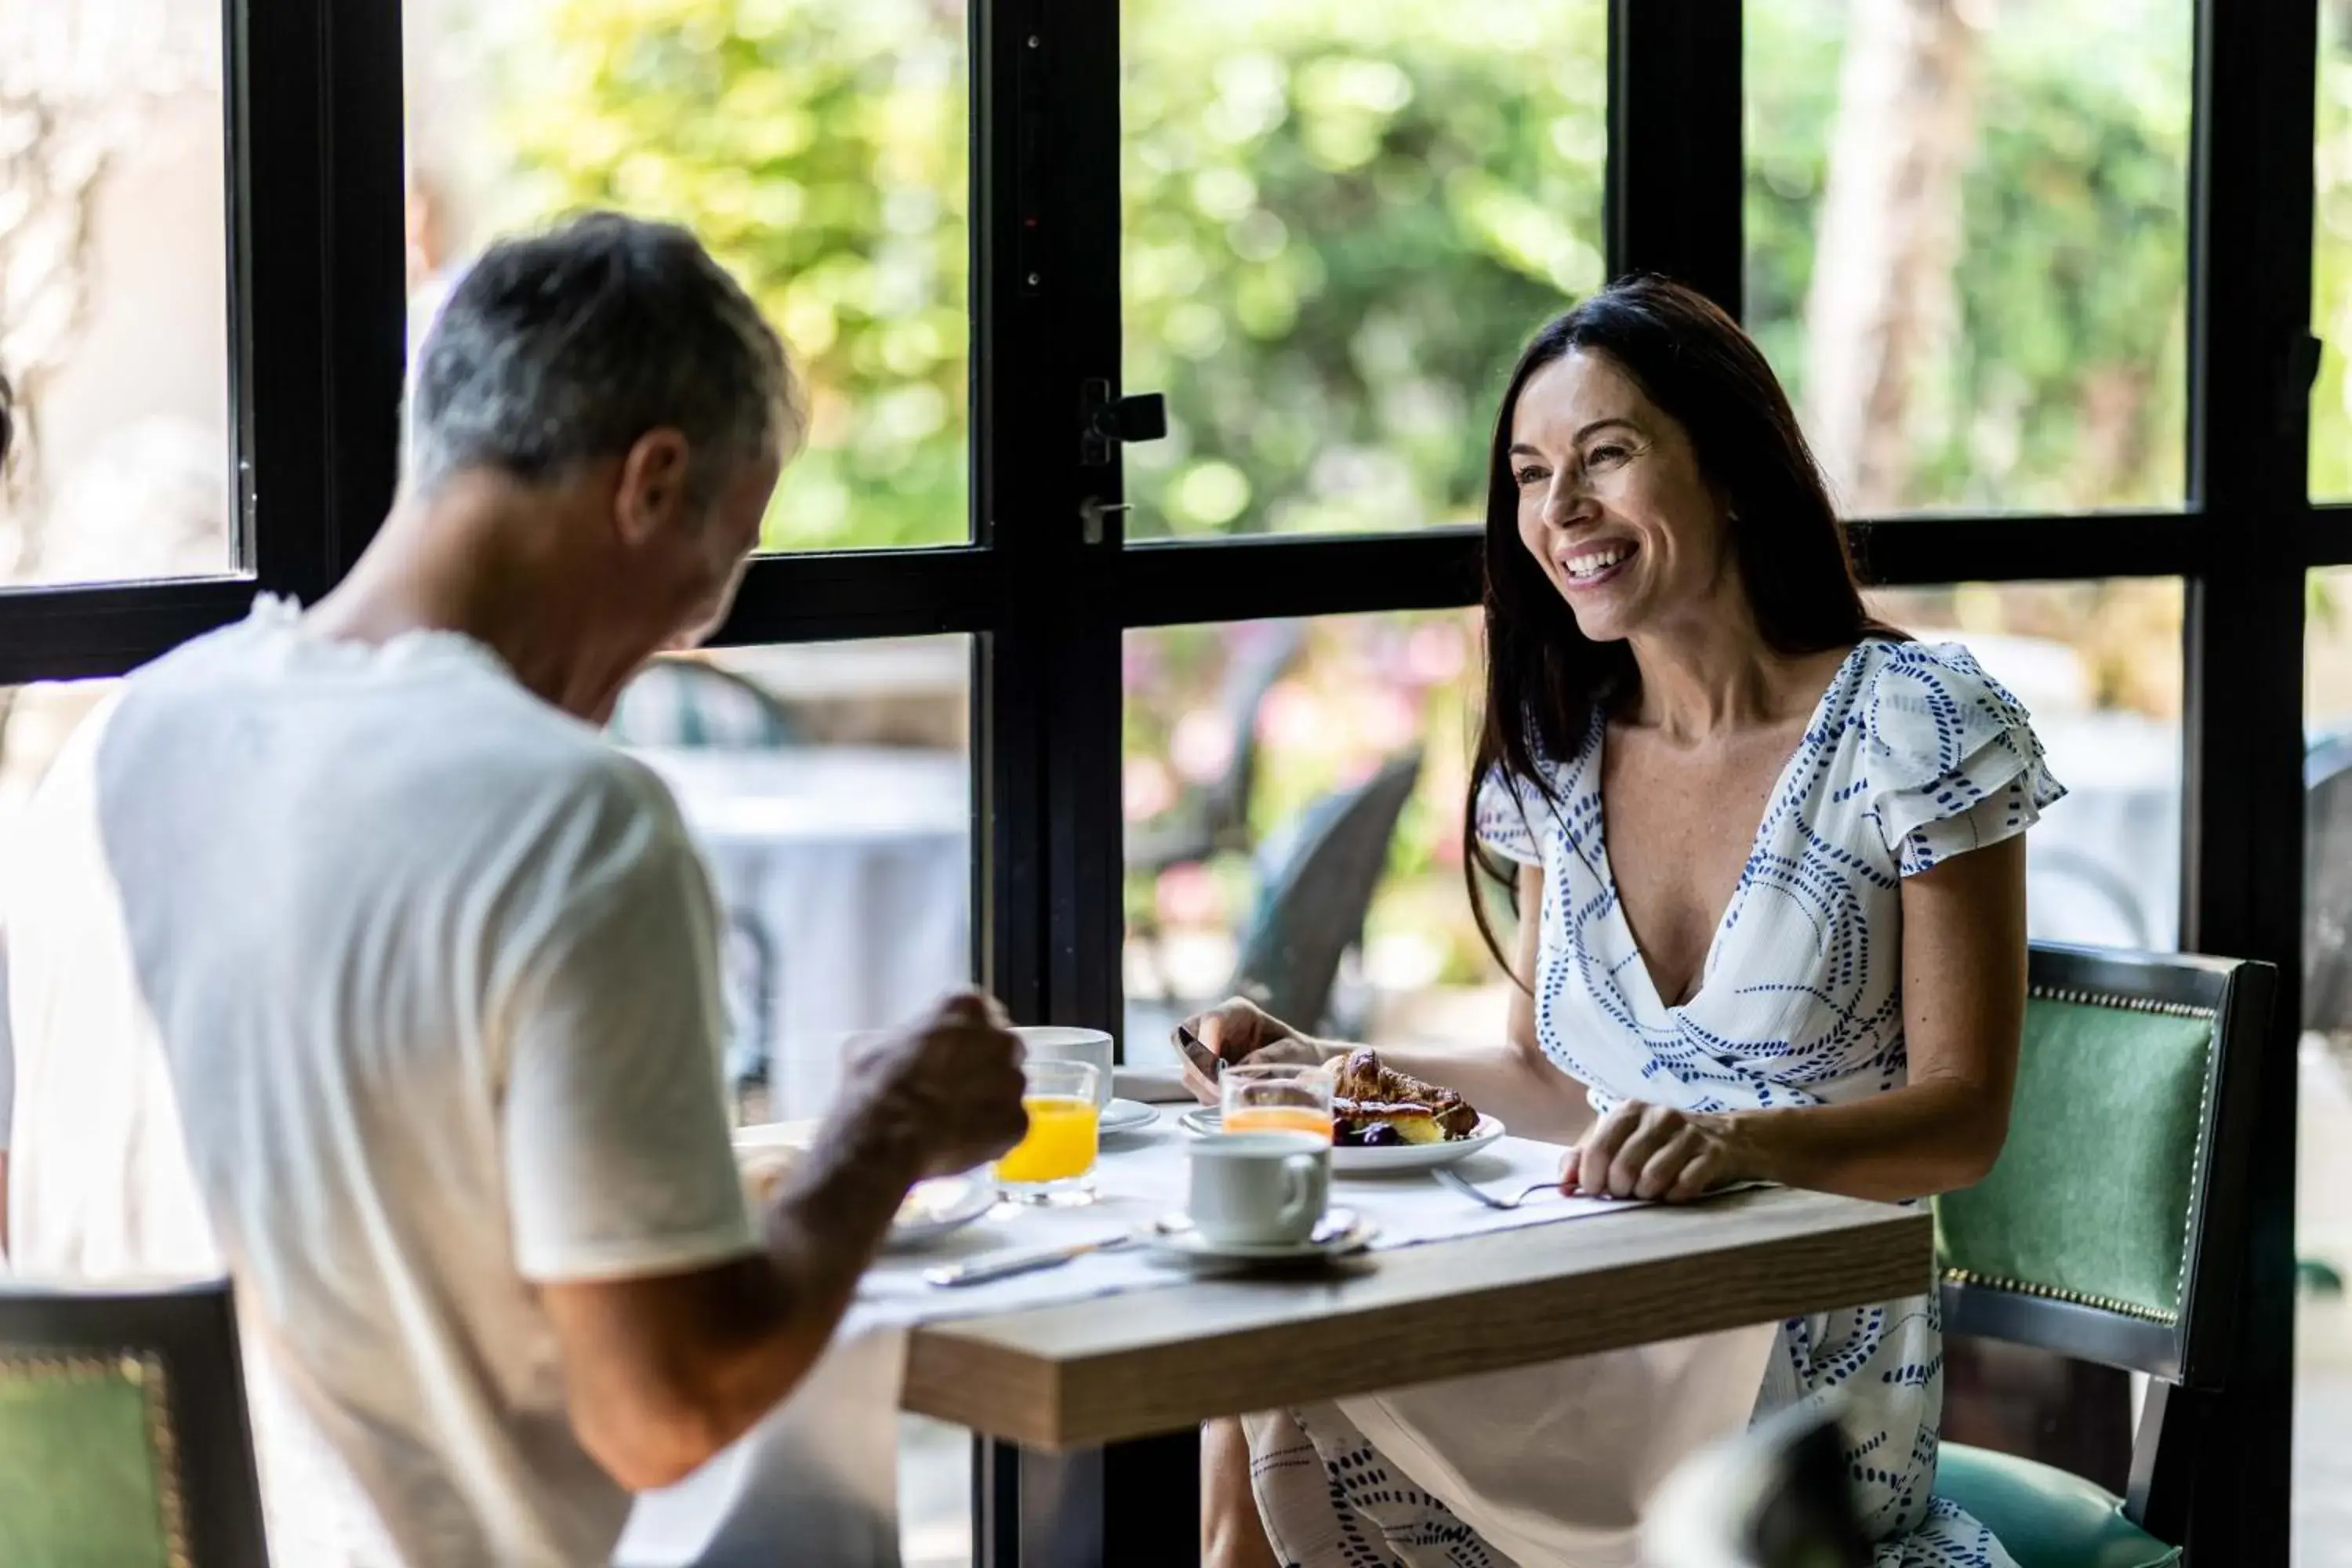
(1054, 1163)
(1276, 1097)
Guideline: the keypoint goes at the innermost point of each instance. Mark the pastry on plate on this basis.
(1374, 1106)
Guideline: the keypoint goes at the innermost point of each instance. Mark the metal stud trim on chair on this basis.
(2123, 1003)
(2060, 1293)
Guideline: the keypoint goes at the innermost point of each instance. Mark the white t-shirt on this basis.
(403, 985)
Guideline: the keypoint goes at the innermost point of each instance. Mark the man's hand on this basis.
(661, 1372)
(946, 1087)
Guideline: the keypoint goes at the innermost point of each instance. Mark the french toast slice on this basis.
(1366, 1092)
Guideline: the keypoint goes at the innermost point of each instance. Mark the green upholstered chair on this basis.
(123, 1439)
(2110, 1230)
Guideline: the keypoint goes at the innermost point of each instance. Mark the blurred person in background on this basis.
(347, 956)
(1798, 958)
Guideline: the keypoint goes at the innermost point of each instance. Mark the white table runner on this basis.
(820, 1472)
(1144, 1177)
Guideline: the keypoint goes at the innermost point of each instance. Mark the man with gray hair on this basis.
(353, 960)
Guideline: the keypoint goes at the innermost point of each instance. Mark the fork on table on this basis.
(1470, 1189)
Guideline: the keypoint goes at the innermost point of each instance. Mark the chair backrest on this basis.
(2110, 1228)
(123, 1435)
(688, 701)
(1227, 800)
(1313, 898)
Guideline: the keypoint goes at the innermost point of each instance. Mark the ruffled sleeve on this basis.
(1507, 811)
(1953, 761)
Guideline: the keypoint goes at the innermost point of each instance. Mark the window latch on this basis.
(1094, 512)
(1106, 423)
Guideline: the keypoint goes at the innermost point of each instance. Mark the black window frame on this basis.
(313, 99)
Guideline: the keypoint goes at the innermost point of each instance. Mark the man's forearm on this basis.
(769, 1319)
(823, 1228)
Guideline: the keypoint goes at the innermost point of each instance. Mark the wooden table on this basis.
(1075, 1395)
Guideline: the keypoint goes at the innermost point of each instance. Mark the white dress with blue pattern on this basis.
(1914, 755)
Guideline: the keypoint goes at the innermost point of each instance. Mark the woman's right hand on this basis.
(1235, 1032)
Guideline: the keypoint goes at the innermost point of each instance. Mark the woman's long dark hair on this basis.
(1545, 679)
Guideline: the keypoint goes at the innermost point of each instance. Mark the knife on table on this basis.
(1004, 1265)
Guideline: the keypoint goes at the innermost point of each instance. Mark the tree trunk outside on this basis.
(1882, 304)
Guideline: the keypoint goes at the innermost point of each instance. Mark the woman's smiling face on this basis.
(1613, 504)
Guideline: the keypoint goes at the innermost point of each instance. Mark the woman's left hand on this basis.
(1655, 1152)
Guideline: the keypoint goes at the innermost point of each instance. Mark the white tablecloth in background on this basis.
(2104, 867)
(855, 865)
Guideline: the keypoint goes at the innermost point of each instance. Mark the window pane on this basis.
(2323, 1220)
(2331, 261)
(2098, 666)
(1240, 740)
(1240, 735)
(1967, 243)
(817, 146)
(1343, 221)
(114, 291)
(36, 720)
(829, 787)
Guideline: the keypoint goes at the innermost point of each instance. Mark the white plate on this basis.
(1124, 1116)
(1347, 1162)
(930, 1210)
(1342, 1232)
(938, 1207)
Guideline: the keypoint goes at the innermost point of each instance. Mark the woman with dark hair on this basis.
(1797, 954)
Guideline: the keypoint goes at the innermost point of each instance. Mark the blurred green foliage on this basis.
(1344, 217)
(1343, 220)
(2331, 259)
(819, 149)
(2061, 386)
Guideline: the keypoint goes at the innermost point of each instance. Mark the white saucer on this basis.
(1361, 1162)
(1342, 1232)
(938, 1207)
(1124, 1116)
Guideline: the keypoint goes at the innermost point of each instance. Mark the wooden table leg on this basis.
(1129, 1505)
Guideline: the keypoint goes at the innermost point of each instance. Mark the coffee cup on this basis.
(1057, 1042)
(1259, 1189)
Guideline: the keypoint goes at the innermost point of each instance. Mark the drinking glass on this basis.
(1053, 1043)
(1276, 1097)
(1054, 1163)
